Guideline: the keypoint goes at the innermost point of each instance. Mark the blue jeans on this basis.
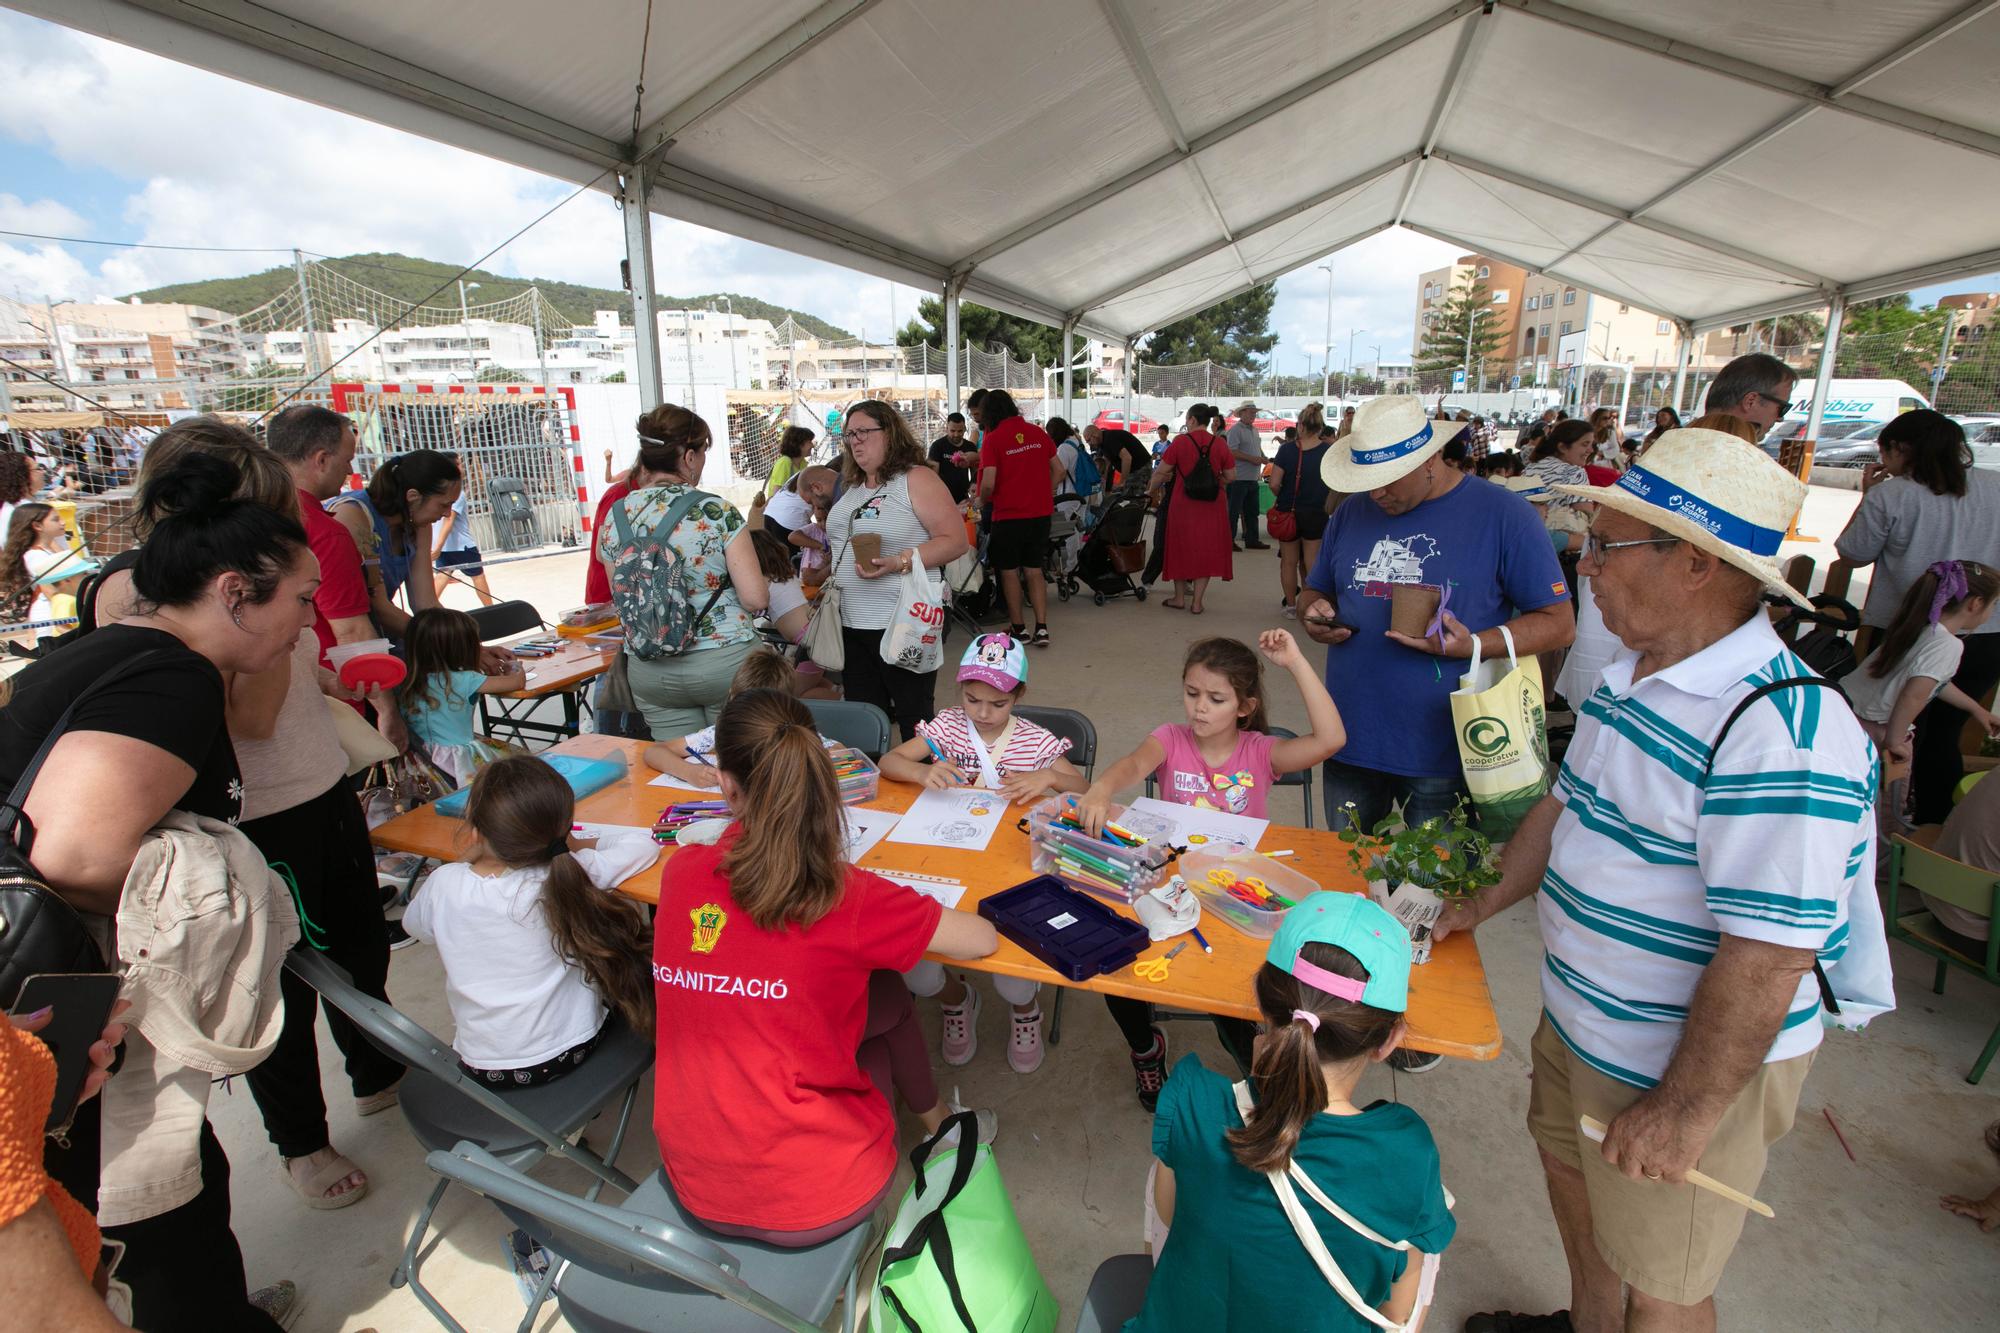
(1372, 793)
(1243, 510)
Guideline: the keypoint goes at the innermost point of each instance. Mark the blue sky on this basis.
(99, 140)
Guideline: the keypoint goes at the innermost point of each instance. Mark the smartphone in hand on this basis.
(81, 1007)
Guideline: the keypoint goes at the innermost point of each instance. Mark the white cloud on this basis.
(1374, 291)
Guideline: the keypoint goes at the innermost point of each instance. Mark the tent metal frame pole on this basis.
(1681, 363)
(633, 194)
(1069, 354)
(951, 375)
(1836, 310)
(1131, 375)
(1828, 96)
(1469, 42)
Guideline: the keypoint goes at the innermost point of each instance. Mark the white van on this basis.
(1870, 400)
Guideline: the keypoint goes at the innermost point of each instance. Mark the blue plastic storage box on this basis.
(1074, 933)
(583, 775)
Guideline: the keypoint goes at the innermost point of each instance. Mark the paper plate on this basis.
(373, 669)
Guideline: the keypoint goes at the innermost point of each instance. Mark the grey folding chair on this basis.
(503, 620)
(646, 1267)
(1073, 727)
(444, 1105)
(1117, 1293)
(863, 726)
(1303, 779)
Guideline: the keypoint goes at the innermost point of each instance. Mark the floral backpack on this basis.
(648, 588)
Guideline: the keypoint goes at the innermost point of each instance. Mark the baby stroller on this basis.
(1066, 528)
(1113, 552)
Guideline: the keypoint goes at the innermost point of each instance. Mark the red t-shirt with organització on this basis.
(597, 583)
(765, 1118)
(343, 587)
(1020, 452)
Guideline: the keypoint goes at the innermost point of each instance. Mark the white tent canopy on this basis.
(1113, 166)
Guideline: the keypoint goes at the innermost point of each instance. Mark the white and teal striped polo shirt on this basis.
(1648, 866)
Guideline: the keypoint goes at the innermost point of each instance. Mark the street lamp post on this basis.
(730, 337)
(465, 323)
(1326, 366)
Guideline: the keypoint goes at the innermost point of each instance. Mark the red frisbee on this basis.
(381, 669)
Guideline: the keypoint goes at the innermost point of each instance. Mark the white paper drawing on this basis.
(958, 817)
(1215, 831)
(946, 891)
(865, 828)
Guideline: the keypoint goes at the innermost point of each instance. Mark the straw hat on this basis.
(1716, 491)
(1530, 488)
(1245, 411)
(1391, 438)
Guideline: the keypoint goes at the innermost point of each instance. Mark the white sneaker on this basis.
(989, 1122)
(1291, 612)
(959, 1041)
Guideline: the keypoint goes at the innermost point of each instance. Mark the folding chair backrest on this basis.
(1072, 726)
(861, 725)
(611, 1242)
(1302, 778)
(1939, 876)
(503, 619)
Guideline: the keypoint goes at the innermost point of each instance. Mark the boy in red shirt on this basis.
(783, 1018)
(1018, 473)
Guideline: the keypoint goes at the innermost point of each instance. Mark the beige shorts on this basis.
(1670, 1241)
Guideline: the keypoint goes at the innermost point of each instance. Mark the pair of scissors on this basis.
(1155, 969)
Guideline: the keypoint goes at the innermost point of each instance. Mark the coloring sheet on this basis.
(669, 780)
(961, 817)
(946, 891)
(1214, 831)
(865, 828)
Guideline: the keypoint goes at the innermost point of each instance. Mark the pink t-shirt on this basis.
(1242, 785)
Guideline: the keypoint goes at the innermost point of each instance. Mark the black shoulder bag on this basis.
(39, 930)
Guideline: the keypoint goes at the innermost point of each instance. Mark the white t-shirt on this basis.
(39, 561)
(788, 509)
(1935, 654)
(1066, 451)
(786, 598)
(515, 1001)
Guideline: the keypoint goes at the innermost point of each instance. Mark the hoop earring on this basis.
(236, 614)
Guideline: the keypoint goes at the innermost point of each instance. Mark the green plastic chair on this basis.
(1968, 888)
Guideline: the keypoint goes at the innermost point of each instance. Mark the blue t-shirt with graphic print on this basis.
(1486, 549)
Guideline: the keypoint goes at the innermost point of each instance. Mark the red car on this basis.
(1266, 425)
(1141, 426)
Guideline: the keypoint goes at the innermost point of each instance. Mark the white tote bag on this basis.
(914, 639)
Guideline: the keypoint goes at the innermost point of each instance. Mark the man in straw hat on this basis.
(1688, 885)
(1247, 447)
(1446, 551)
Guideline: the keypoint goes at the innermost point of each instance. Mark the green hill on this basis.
(408, 279)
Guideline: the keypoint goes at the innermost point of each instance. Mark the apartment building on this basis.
(1973, 314)
(1503, 283)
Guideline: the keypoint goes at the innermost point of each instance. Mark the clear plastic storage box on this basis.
(1101, 866)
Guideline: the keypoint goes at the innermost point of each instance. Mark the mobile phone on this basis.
(1327, 622)
(81, 1004)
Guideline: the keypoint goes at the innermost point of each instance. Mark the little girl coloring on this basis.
(783, 1023)
(691, 758)
(1221, 758)
(1333, 988)
(982, 743)
(536, 944)
(442, 648)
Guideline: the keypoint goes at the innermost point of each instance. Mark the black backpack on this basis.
(1201, 482)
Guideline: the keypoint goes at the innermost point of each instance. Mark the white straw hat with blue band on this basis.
(1713, 490)
(1391, 438)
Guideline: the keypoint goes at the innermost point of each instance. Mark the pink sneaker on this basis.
(961, 1028)
(1024, 1051)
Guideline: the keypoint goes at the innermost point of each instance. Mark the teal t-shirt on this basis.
(1232, 1260)
(443, 713)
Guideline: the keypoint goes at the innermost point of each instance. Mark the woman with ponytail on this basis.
(538, 947)
(1332, 991)
(222, 585)
(783, 1018)
(390, 521)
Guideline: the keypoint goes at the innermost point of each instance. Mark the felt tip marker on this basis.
(1206, 947)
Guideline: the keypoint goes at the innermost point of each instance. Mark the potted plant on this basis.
(1414, 871)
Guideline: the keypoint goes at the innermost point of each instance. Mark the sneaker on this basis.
(1419, 1062)
(1024, 1051)
(1150, 1070)
(398, 937)
(1506, 1321)
(1256, 546)
(280, 1301)
(961, 1028)
(989, 1122)
(1291, 612)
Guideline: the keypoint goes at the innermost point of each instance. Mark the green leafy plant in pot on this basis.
(1415, 871)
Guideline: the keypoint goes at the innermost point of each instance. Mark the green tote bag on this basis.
(955, 1260)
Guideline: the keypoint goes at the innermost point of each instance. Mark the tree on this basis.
(1887, 340)
(257, 397)
(1464, 332)
(986, 329)
(500, 375)
(615, 377)
(1970, 378)
(1232, 334)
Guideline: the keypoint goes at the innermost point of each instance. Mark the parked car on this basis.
(1831, 429)
(1142, 426)
(1982, 436)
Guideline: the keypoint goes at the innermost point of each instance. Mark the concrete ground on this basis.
(1858, 1243)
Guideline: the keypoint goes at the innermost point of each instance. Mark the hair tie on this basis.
(1951, 586)
(560, 847)
(1306, 1016)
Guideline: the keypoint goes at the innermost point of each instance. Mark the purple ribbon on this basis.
(1951, 586)
(1436, 628)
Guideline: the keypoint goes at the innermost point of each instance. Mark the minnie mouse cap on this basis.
(1353, 922)
(998, 660)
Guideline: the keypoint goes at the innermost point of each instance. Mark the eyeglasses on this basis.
(853, 434)
(1784, 406)
(1595, 547)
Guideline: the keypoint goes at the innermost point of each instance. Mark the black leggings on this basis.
(1937, 764)
(1135, 1021)
(908, 697)
(324, 844)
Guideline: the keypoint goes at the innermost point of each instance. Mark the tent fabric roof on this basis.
(1122, 164)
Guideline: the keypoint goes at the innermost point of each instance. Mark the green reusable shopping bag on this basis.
(1266, 497)
(955, 1260)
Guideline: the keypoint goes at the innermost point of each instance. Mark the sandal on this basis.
(377, 1102)
(1172, 605)
(313, 1186)
(1041, 636)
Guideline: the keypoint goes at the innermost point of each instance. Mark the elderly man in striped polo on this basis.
(1697, 859)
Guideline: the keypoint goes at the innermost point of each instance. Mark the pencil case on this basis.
(1071, 932)
(583, 775)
